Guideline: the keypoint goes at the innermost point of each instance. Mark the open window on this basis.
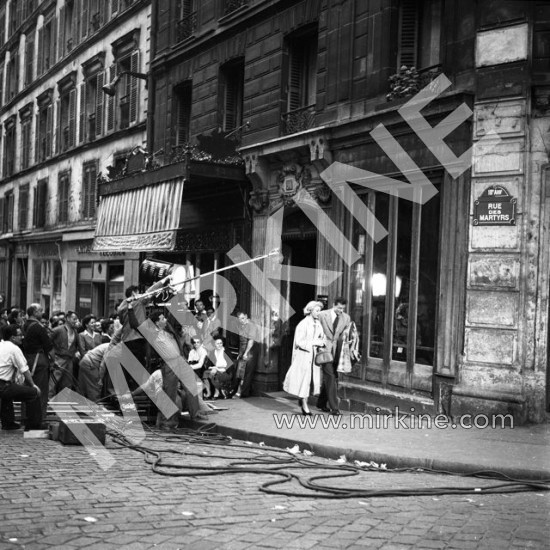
(231, 94)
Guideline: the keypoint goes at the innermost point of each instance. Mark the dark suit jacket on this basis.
(60, 341)
(325, 319)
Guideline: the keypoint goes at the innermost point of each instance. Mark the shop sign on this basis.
(87, 249)
(495, 206)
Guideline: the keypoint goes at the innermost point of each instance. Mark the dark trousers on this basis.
(10, 392)
(41, 378)
(248, 376)
(329, 388)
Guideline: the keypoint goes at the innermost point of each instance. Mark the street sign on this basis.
(495, 207)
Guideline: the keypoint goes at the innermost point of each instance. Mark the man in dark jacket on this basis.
(38, 351)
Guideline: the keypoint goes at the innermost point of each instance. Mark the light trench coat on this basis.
(303, 369)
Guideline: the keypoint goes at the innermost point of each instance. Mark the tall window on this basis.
(44, 127)
(47, 45)
(186, 19)
(393, 287)
(66, 114)
(10, 146)
(232, 83)
(89, 189)
(16, 14)
(23, 210)
(29, 58)
(122, 108)
(12, 74)
(92, 101)
(7, 214)
(2, 25)
(301, 83)
(182, 112)
(26, 129)
(419, 33)
(63, 190)
(40, 203)
(1, 84)
(67, 24)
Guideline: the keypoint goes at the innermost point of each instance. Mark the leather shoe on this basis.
(336, 412)
(324, 409)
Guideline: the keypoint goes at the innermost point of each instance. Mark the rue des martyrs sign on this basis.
(495, 207)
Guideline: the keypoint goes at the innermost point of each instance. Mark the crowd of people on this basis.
(40, 356)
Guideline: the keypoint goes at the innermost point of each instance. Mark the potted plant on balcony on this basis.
(404, 83)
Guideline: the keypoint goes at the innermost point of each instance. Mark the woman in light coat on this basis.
(303, 372)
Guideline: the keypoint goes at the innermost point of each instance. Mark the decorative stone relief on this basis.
(291, 179)
(164, 240)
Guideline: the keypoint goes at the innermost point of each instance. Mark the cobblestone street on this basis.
(58, 497)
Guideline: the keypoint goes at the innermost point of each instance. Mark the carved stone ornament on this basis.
(292, 178)
(322, 193)
(259, 199)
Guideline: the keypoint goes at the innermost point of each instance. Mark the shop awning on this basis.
(140, 219)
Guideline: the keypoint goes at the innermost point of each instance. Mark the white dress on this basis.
(303, 370)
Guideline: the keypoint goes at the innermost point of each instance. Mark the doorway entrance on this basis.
(299, 249)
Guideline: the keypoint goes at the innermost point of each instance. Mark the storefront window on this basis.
(57, 280)
(115, 292)
(84, 289)
(398, 274)
(100, 288)
(37, 281)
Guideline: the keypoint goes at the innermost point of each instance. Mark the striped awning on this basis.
(140, 219)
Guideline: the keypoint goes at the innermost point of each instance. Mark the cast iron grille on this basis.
(232, 5)
(186, 26)
(299, 119)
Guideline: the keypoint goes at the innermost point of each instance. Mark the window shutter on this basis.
(57, 134)
(1, 84)
(72, 118)
(100, 104)
(85, 191)
(23, 208)
(62, 37)
(2, 221)
(29, 58)
(40, 60)
(42, 202)
(53, 41)
(296, 79)
(114, 7)
(77, 15)
(134, 89)
(408, 33)
(84, 19)
(82, 113)
(49, 131)
(111, 101)
(9, 216)
(183, 114)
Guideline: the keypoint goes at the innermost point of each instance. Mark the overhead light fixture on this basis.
(110, 89)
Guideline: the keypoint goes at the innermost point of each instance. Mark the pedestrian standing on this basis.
(303, 373)
(67, 349)
(39, 354)
(246, 360)
(334, 321)
(12, 367)
(89, 338)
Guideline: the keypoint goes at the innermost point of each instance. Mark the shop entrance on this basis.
(299, 249)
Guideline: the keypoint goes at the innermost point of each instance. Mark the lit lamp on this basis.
(379, 285)
(110, 89)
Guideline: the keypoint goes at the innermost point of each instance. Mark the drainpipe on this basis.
(150, 136)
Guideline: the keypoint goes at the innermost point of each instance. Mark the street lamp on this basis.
(110, 89)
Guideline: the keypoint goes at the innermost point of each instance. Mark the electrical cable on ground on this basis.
(265, 460)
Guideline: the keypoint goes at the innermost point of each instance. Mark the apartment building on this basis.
(60, 133)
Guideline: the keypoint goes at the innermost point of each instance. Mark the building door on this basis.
(299, 249)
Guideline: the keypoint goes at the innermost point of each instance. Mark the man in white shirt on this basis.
(12, 364)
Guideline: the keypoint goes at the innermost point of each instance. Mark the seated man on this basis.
(13, 366)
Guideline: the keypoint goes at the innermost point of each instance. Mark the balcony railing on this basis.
(233, 5)
(299, 119)
(186, 27)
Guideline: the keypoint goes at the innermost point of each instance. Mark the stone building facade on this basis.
(59, 133)
(451, 297)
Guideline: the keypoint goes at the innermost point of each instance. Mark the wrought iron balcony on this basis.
(299, 119)
(233, 5)
(186, 26)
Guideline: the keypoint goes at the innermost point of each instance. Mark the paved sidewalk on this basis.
(520, 452)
